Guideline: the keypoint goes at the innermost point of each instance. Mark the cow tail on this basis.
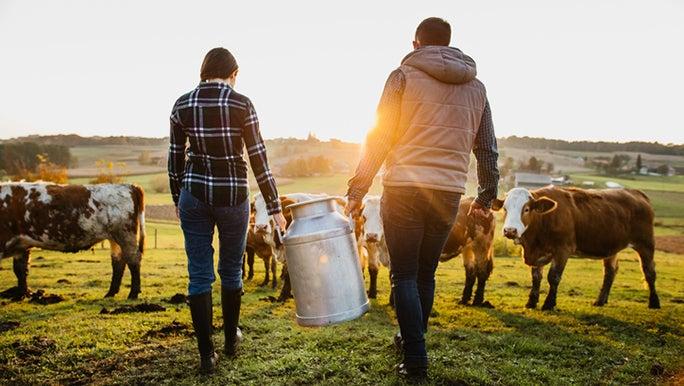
(139, 205)
(141, 235)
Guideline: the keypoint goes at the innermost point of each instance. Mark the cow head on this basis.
(370, 215)
(522, 209)
(262, 221)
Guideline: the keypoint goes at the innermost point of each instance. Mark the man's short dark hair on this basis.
(433, 31)
(219, 63)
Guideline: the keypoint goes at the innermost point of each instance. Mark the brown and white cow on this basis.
(469, 236)
(263, 239)
(371, 237)
(474, 239)
(72, 218)
(553, 223)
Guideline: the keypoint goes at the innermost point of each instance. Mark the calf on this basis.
(473, 238)
(553, 223)
(72, 218)
(286, 291)
(372, 238)
(263, 239)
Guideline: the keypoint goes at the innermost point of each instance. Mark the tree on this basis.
(639, 164)
(549, 167)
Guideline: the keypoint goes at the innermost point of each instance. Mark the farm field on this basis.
(72, 342)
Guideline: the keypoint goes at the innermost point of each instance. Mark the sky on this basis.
(578, 70)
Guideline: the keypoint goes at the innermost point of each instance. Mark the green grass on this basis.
(659, 183)
(620, 343)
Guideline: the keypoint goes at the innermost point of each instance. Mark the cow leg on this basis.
(267, 269)
(484, 269)
(537, 273)
(20, 265)
(250, 263)
(373, 269)
(134, 268)
(469, 265)
(610, 268)
(645, 252)
(373, 288)
(286, 291)
(554, 277)
(274, 270)
(132, 257)
(118, 268)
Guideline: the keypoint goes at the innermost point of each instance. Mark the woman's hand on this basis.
(177, 213)
(280, 221)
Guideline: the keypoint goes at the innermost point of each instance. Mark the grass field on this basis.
(71, 342)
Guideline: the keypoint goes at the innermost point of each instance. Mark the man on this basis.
(432, 114)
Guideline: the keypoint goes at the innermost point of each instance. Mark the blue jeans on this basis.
(198, 221)
(417, 223)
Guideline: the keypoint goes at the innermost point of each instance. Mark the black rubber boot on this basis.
(230, 303)
(201, 311)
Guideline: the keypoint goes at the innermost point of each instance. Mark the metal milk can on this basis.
(323, 263)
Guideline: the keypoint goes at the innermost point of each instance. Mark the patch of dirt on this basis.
(86, 261)
(677, 300)
(269, 299)
(512, 284)
(485, 304)
(175, 328)
(9, 325)
(143, 307)
(657, 369)
(63, 281)
(33, 348)
(178, 299)
(574, 292)
(670, 244)
(40, 297)
(38, 258)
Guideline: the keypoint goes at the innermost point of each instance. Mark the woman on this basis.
(208, 179)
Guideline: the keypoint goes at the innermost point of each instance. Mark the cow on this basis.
(473, 238)
(72, 218)
(263, 239)
(553, 223)
(372, 239)
(470, 237)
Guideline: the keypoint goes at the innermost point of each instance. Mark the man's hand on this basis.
(478, 211)
(353, 207)
(280, 221)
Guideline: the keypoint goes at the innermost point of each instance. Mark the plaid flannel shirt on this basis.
(384, 135)
(218, 123)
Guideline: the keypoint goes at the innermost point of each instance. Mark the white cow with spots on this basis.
(72, 218)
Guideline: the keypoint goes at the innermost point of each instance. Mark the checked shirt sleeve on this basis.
(176, 164)
(487, 154)
(381, 138)
(256, 150)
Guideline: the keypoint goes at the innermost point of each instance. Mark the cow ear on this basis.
(497, 204)
(543, 205)
(285, 202)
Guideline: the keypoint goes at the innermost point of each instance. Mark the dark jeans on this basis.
(416, 223)
(198, 221)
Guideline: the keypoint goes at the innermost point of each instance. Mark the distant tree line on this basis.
(307, 167)
(22, 157)
(557, 144)
(71, 140)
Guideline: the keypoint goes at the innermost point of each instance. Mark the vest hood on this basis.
(446, 64)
